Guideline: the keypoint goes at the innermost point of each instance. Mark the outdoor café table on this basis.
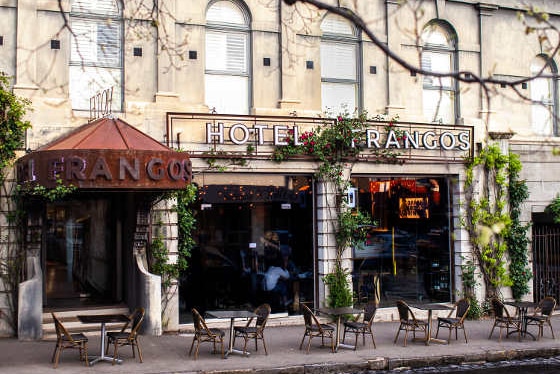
(522, 309)
(338, 313)
(232, 315)
(103, 319)
(430, 308)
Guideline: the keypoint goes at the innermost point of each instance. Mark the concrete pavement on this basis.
(169, 353)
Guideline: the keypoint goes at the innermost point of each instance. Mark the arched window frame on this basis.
(340, 77)
(228, 58)
(96, 52)
(440, 95)
(544, 96)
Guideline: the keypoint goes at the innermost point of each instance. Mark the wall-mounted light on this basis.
(412, 73)
(373, 69)
(137, 51)
(55, 44)
(193, 55)
(524, 85)
(309, 64)
(266, 61)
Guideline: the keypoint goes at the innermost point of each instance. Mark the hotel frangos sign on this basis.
(259, 135)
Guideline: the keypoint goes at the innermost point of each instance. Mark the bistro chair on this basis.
(128, 335)
(202, 333)
(256, 332)
(542, 315)
(66, 340)
(408, 322)
(313, 328)
(504, 320)
(455, 323)
(362, 327)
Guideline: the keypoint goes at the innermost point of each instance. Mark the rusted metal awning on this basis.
(106, 154)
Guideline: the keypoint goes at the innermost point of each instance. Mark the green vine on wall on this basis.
(517, 239)
(12, 134)
(493, 230)
(335, 146)
(554, 209)
(160, 263)
(487, 220)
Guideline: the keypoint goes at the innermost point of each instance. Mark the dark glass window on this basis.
(245, 227)
(407, 252)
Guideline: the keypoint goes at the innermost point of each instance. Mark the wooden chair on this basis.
(256, 332)
(542, 315)
(315, 329)
(202, 333)
(66, 340)
(363, 327)
(128, 335)
(504, 320)
(455, 323)
(409, 322)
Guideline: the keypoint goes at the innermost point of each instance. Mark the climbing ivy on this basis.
(493, 221)
(12, 134)
(554, 209)
(160, 263)
(487, 220)
(516, 238)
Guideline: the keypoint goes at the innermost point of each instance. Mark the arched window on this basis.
(227, 58)
(96, 51)
(340, 78)
(544, 96)
(439, 55)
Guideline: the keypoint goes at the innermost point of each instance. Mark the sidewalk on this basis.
(169, 353)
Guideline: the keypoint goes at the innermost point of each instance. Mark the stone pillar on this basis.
(165, 226)
(326, 241)
(30, 305)
(149, 294)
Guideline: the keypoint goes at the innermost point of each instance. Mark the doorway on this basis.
(81, 253)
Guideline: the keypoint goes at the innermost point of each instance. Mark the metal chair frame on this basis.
(542, 315)
(256, 332)
(504, 320)
(363, 327)
(409, 322)
(123, 337)
(313, 328)
(202, 333)
(462, 308)
(66, 340)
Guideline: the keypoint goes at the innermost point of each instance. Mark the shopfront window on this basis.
(407, 253)
(246, 226)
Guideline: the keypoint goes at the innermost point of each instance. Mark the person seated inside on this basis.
(277, 280)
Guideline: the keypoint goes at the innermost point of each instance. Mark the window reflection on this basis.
(244, 229)
(406, 255)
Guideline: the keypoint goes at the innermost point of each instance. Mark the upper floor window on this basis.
(438, 55)
(340, 82)
(543, 96)
(227, 58)
(96, 51)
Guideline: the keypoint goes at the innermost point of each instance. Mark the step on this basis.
(69, 319)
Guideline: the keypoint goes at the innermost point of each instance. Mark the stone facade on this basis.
(169, 76)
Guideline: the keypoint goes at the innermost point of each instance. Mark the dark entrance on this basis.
(82, 253)
(546, 256)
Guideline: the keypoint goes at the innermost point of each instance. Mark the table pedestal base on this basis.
(104, 358)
